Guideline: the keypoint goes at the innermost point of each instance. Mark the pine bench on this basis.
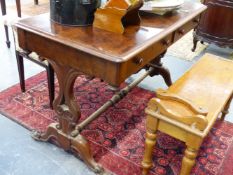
(188, 109)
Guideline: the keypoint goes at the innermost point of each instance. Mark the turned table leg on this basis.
(68, 112)
(159, 69)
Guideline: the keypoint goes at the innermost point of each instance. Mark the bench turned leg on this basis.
(149, 144)
(225, 111)
(188, 161)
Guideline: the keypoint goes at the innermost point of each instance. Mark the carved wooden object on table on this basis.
(109, 56)
(188, 109)
(216, 24)
(116, 15)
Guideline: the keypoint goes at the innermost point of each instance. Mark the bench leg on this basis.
(188, 161)
(225, 111)
(193, 144)
(151, 123)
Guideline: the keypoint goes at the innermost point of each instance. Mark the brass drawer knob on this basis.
(166, 42)
(138, 61)
(181, 31)
(195, 20)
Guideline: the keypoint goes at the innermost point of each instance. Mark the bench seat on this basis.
(188, 109)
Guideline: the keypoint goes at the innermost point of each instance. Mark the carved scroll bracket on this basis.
(159, 69)
(68, 113)
(65, 104)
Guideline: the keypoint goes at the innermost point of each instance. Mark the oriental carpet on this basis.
(117, 136)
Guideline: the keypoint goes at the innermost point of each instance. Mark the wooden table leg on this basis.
(20, 65)
(159, 69)
(36, 2)
(3, 8)
(18, 7)
(68, 113)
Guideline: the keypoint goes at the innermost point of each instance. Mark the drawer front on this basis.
(138, 62)
(185, 28)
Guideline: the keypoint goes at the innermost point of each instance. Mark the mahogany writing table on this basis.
(109, 56)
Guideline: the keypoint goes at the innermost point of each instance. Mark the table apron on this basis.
(112, 72)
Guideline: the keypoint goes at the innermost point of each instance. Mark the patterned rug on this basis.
(117, 137)
(182, 48)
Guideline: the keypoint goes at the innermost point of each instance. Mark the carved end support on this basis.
(80, 145)
(36, 135)
(179, 109)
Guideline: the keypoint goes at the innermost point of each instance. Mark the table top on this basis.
(112, 46)
(110, 56)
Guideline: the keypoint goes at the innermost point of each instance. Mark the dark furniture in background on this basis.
(3, 8)
(18, 7)
(216, 24)
(20, 54)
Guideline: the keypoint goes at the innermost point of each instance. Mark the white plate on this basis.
(160, 11)
(163, 3)
(161, 7)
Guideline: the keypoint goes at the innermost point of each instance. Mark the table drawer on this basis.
(133, 65)
(185, 28)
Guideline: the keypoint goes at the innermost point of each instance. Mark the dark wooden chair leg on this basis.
(195, 40)
(19, 59)
(36, 2)
(50, 77)
(8, 43)
(3, 8)
(18, 7)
